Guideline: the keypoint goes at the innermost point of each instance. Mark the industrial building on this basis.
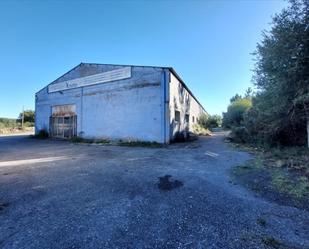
(103, 101)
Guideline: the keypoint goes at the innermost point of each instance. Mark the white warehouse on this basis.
(103, 101)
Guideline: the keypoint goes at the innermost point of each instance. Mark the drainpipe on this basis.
(81, 111)
(166, 107)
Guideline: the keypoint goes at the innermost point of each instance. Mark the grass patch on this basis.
(89, 141)
(250, 166)
(278, 174)
(81, 140)
(102, 141)
(297, 187)
(140, 144)
(120, 143)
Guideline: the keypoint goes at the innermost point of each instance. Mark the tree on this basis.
(214, 121)
(249, 93)
(202, 121)
(280, 111)
(28, 116)
(235, 112)
(235, 98)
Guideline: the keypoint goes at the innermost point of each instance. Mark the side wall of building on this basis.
(129, 109)
(184, 103)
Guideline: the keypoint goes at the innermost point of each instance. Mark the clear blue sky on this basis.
(207, 42)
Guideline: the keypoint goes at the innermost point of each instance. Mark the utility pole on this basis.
(22, 119)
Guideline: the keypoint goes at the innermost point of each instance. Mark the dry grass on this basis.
(201, 131)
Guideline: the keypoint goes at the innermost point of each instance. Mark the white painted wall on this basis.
(138, 108)
(129, 109)
(182, 101)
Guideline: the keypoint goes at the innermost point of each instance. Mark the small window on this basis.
(177, 116)
(192, 119)
(187, 117)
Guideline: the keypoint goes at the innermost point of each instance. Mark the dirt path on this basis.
(64, 195)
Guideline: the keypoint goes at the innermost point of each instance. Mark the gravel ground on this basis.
(54, 194)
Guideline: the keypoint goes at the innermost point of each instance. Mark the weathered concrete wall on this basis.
(182, 101)
(125, 109)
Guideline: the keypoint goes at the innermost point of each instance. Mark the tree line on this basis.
(27, 116)
(278, 112)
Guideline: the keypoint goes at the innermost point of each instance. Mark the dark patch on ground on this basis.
(166, 184)
(3, 205)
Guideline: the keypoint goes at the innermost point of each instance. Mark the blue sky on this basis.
(207, 42)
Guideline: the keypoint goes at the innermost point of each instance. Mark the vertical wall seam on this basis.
(164, 104)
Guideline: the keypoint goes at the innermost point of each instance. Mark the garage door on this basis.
(63, 122)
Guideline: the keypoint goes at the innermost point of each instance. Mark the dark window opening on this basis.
(187, 118)
(177, 116)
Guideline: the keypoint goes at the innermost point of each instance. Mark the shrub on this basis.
(42, 134)
(8, 123)
(239, 135)
(140, 144)
(214, 121)
(235, 112)
(203, 120)
(200, 130)
(28, 116)
(29, 124)
(179, 137)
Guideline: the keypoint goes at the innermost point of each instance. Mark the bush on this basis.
(202, 121)
(239, 135)
(140, 144)
(29, 124)
(42, 134)
(214, 121)
(28, 116)
(200, 130)
(8, 123)
(235, 112)
(179, 137)
(281, 107)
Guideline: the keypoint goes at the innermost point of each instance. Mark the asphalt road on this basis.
(54, 194)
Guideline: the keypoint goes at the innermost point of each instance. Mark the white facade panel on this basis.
(184, 105)
(117, 74)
